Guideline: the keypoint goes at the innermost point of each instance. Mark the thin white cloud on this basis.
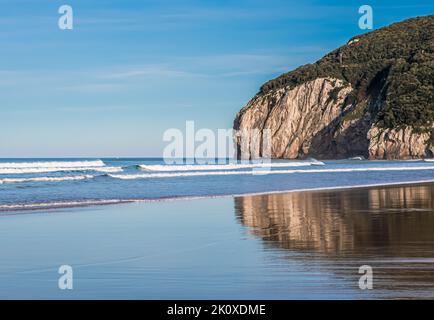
(155, 70)
(93, 87)
(188, 68)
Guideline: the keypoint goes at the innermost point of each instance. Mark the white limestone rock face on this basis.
(398, 144)
(293, 116)
(311, 120)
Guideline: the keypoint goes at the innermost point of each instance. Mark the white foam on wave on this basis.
(52, 164)
(60, 204)
(428, 160)
(45, 179)
(262, 172)
(230, 166)
(58, 169)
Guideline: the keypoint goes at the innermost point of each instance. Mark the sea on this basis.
(29, 184)
(145, 229)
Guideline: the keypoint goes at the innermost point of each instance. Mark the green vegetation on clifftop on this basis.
(392, 68)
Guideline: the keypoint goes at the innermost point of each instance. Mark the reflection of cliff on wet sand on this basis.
(390, 220)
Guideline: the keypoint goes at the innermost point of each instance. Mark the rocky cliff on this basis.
(372, 97)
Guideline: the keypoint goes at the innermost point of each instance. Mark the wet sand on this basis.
(299, 245)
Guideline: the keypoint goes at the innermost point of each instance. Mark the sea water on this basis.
(49, 183)
(260, 243)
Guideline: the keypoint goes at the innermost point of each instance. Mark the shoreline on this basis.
(28, 208)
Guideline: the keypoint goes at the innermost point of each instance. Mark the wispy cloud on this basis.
(93, 87)
(153, 70)
(188, 68)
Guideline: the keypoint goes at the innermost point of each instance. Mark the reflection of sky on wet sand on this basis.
(389, 228)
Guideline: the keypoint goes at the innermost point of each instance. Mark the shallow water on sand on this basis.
(301, 245)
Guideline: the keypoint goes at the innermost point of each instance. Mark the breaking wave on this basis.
(52, 164)
(261, 172)
(58, 169)
(45, 179)
(234, 166)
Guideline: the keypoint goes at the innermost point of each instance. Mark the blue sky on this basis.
(129, 70)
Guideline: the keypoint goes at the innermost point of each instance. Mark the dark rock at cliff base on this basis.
(373, 97)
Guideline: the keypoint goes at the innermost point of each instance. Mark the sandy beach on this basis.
(300, 245)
